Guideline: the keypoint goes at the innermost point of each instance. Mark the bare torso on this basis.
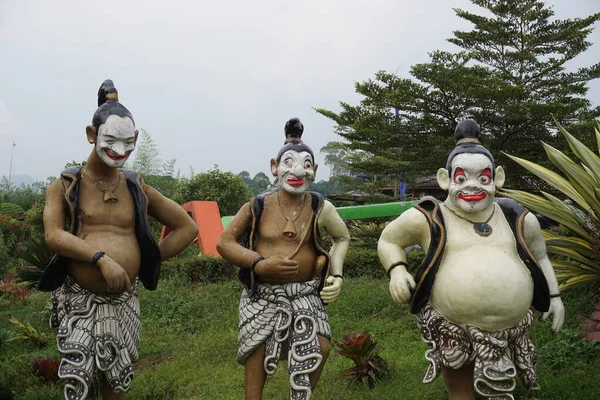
(481, 280)
(110, 228)
(272, 242)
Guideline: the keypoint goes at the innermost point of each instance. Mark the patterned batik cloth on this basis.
(286, 318)
(497, 356)
(95, 334)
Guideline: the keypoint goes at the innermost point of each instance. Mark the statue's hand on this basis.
(332, 289)
(558, 313)
(277, 267)
(115, 276)
(401, 285)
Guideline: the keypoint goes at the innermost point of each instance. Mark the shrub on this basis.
(199, 269)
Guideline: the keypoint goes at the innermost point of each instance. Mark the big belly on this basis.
(120, 246)
(493, 292)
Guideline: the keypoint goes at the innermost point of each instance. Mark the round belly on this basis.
(493, 292)
(123, 248)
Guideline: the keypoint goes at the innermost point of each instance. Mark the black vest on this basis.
(56, 271)
(425, 275)
(248, 240)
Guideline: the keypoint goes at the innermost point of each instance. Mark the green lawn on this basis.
(188, 348)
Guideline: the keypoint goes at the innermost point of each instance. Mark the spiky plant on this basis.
(368, 366)
(579, 251)
(27, 332)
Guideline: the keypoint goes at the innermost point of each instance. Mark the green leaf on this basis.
(580, 180)
(554, 179)
(547, 208)
(589, 158)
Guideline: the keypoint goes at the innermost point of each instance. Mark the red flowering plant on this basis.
(46, 369)
(368, 366)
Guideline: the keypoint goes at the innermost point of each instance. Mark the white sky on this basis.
(213, 82)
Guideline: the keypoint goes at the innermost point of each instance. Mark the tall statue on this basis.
(96, 220)
(287, 275)
(484, 274)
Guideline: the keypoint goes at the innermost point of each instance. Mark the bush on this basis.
(199, 269)
(364, 262)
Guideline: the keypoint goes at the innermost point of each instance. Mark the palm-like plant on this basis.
(579, 252)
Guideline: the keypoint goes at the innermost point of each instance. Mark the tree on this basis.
(510, 76)
(258, 184)
(157, 173)
(227, 189)
(336, 158)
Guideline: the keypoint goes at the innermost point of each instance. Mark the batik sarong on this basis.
(498, 356)
(286, 318)
(96, 334)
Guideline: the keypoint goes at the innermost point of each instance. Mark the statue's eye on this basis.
(459, 176)
(485, 178)
(288, 162)
(307, 164)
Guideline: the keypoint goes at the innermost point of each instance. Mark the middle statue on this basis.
(287, 274)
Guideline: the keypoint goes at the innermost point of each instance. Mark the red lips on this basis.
(295, 181)
(115, 157)
(472, 197)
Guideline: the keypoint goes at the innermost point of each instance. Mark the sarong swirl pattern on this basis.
(286, 317)
(498, 356)
(96, 333)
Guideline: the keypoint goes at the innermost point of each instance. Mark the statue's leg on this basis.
(314, 377)
(459, 382)
(255, 375)
(106, 391)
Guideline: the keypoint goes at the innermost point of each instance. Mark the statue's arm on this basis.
(59, 240)
(167, 212)
(330, 220)
(228, 245)
(408, 229)
(535, 242)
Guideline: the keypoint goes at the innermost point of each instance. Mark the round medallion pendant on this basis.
(482, 229)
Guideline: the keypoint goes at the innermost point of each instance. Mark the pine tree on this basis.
(509, 75)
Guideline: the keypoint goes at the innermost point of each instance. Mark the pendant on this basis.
(110, 198)
(289, 229)
(482, 229)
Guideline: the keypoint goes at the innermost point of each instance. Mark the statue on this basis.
(287, 275)
(485, 272)
(99, 257)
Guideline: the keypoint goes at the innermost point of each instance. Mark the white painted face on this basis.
(116, 140)
(471, 187)
(295, 171)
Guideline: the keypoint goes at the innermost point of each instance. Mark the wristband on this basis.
(258, 259)
(97, 256)
(394, 265)
(553, 295)
(338, 276)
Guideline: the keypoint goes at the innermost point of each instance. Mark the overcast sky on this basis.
(213, 82)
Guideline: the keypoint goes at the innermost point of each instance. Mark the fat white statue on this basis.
(485, 272)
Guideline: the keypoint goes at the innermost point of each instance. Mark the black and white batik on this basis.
(498, 356)
(286, 318)
(95, 334)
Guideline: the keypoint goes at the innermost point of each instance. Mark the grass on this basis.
(188, 348)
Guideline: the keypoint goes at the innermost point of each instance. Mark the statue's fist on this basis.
(402, 285)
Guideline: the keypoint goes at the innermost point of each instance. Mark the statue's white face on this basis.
(295, 171)
(471, 187)
(116, 140)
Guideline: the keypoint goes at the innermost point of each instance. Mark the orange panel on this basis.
(207, 217)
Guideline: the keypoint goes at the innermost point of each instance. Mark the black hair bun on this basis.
(106, 92)
(467, 129)
(293, 129)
